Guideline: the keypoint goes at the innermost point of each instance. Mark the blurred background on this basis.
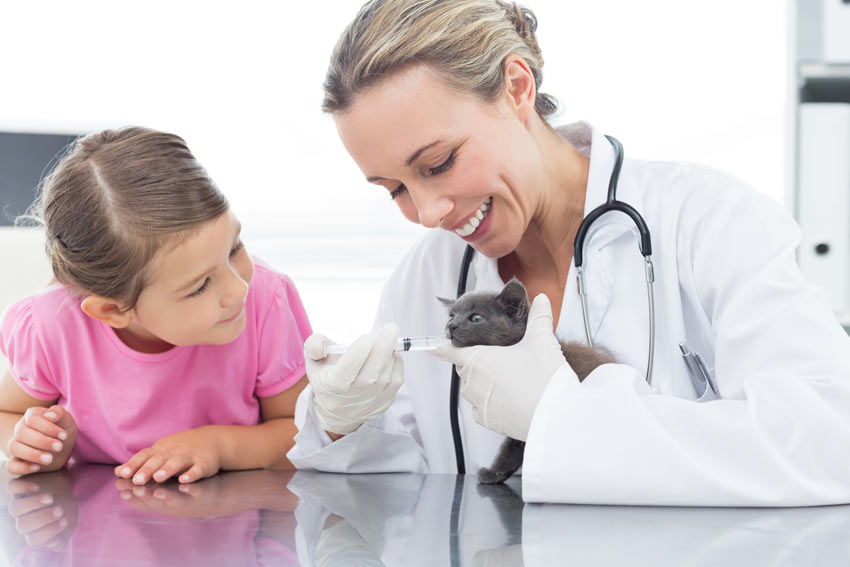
(241, 82)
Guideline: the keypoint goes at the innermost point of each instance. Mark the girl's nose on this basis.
(237, 290)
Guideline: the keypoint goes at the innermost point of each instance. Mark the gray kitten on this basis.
(499, 318)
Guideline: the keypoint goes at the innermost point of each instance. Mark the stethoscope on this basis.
(645, 245)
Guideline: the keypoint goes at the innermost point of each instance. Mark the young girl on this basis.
(163, 348)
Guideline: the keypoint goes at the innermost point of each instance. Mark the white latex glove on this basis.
(353, 387)
(504, 384)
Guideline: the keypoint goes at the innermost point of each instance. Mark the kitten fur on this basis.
(499, 318)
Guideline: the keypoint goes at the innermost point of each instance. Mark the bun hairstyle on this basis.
(114, 200)
(466, 41)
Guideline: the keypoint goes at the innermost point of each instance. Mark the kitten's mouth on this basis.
(474, 221)
(456, 341)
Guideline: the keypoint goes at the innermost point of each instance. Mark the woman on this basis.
(437, 101)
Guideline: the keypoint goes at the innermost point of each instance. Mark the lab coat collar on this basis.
(593, 144)
(604, 231)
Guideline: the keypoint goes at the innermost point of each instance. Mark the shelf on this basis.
(819, 70)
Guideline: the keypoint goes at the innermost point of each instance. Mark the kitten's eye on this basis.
(476, 318)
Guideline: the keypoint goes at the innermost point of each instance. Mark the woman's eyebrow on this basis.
(418, 152)
(413, 157)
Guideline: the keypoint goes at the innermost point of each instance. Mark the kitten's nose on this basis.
(450, 327)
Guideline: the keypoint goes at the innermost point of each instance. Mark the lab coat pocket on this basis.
(708, 394)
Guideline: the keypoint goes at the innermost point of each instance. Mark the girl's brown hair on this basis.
(467, 41)
(114, 200)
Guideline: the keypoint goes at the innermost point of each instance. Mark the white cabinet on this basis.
(820, 144)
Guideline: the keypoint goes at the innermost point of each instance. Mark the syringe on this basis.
(402, 344)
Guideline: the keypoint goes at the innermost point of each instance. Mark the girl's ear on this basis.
(106, 310)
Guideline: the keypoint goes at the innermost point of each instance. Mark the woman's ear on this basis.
(106, 310)
(520, 88)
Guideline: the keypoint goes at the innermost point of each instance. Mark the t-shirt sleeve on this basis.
(22, 347)
(282, 336)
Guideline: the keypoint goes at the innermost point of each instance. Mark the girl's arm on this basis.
(203, 451)
(264, 445)
(35, 435)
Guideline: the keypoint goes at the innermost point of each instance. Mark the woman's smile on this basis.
(474, 221)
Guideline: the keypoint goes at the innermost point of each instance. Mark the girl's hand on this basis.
(43, 440)
(192, 454)
(44, 509)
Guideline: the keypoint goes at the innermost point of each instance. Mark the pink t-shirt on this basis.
(123, 400)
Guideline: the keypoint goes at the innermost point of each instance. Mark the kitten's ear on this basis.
(447, 302)
(514, 299)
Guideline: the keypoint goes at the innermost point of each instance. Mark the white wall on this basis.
(673, 79)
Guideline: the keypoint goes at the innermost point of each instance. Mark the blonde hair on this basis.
(113, 200)
(467, 41)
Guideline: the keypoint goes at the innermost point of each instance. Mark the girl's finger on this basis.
(20, 467)
(38, 440)
(129, 468)
(173, 466)
(149, 467)
(42, 421)
(29, 454)
(197, 472)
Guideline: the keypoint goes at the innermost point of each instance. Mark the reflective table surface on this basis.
(88, 517)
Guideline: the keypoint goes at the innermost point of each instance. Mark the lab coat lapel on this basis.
(607, 229)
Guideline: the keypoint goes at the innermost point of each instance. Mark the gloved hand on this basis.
(353, 387)
(504, 384)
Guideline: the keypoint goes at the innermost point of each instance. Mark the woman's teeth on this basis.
(475, 220)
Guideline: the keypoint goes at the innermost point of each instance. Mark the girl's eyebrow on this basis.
(193, 281)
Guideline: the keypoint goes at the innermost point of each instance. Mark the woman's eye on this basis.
(476, 318)
(236, 249)
(198, 292)
(397, 191)
(443, 166)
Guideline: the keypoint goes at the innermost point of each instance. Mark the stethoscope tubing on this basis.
(611, 205)
(644, 244)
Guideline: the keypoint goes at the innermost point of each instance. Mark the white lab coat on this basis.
(727, 283)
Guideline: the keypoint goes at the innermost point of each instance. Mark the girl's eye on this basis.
(398, 191)
(198, 292)
(443, 166)
(476, 318)
(236, 249)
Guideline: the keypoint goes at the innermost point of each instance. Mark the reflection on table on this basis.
(88, 517)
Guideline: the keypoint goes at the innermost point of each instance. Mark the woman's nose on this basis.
(432, 208)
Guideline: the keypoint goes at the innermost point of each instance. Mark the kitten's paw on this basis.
(490, 476)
